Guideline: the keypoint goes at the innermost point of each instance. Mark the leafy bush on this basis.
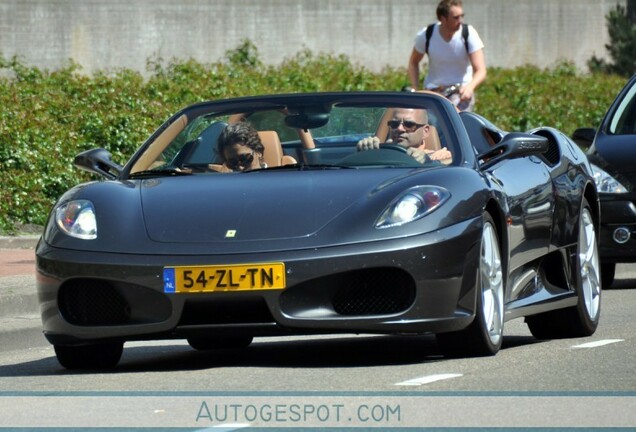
(527, 97)
(47, 117)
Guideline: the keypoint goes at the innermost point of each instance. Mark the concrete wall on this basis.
(107, 34)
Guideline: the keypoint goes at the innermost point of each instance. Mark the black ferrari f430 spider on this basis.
(368, 212)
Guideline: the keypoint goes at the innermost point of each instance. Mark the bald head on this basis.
(418, 115)
(409, 127)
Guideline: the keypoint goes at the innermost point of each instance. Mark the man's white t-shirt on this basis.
(448, 62)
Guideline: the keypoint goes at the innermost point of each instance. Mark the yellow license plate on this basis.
(219, 278)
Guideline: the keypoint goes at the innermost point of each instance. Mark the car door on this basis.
(530, 200)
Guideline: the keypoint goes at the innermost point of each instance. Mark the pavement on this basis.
(20, 323)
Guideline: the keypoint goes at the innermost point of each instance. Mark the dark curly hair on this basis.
(243, 133)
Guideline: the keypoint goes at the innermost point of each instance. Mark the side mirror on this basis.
(514, 145)
(584, 136)
(98, 161)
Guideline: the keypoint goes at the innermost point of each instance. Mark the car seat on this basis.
(273, 154)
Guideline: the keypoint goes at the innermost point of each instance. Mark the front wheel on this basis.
(91, 356)
(485, 335)
(608, 272)
(582, 319)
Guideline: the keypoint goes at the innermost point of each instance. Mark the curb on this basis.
(19, 242)
(20, 321)
(15, 303)
(22, 332)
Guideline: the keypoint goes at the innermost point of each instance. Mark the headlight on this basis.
(412, 205)
(605, 183)
(77, 219)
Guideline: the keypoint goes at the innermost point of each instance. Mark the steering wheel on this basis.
(394, 147)
(404, 150)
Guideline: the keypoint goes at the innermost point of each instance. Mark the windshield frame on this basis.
(187, 120)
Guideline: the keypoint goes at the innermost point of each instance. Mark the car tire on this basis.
(92, 356)
(580, 320)
(207, 343)
(608, 271)
(484, 336)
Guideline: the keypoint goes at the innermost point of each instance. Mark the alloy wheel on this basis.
(491, 285)
(589, 265)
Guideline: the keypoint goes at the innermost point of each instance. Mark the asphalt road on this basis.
(350, 380)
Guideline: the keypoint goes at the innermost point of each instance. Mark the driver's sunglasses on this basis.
(243, 160)
(408, 124)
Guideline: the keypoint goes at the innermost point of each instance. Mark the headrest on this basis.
(273, 153)
(431, 142)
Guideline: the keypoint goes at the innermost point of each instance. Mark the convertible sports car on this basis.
(613, 157)
(325, 238)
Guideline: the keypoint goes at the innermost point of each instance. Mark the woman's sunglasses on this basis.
(408, 124)
(243, 160)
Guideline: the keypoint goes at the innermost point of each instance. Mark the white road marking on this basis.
(428, 379)
(598, 343)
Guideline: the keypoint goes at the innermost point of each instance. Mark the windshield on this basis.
(342, 134)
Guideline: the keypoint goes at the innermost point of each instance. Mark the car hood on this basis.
(260, 212)
(253, 206)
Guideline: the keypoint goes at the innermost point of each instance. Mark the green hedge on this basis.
(47, 117)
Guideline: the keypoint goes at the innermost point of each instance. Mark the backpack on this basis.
(429, 33)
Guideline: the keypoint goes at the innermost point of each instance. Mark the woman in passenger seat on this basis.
(241, 147)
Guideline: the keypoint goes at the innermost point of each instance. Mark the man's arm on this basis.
(414, 68)
(478, 61)
(422, 155)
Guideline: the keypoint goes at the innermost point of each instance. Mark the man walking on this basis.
(455, 55)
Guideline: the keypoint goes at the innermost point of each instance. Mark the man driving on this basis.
(408, 128)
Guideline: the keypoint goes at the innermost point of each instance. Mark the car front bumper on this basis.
(617, 241)
(420, 284)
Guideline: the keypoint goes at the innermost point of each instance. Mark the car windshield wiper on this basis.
(164, 172)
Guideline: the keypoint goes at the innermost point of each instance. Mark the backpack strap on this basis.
(429, 33)
(465, 36)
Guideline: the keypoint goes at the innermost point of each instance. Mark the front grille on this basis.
(92, 302)
(374, 292)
